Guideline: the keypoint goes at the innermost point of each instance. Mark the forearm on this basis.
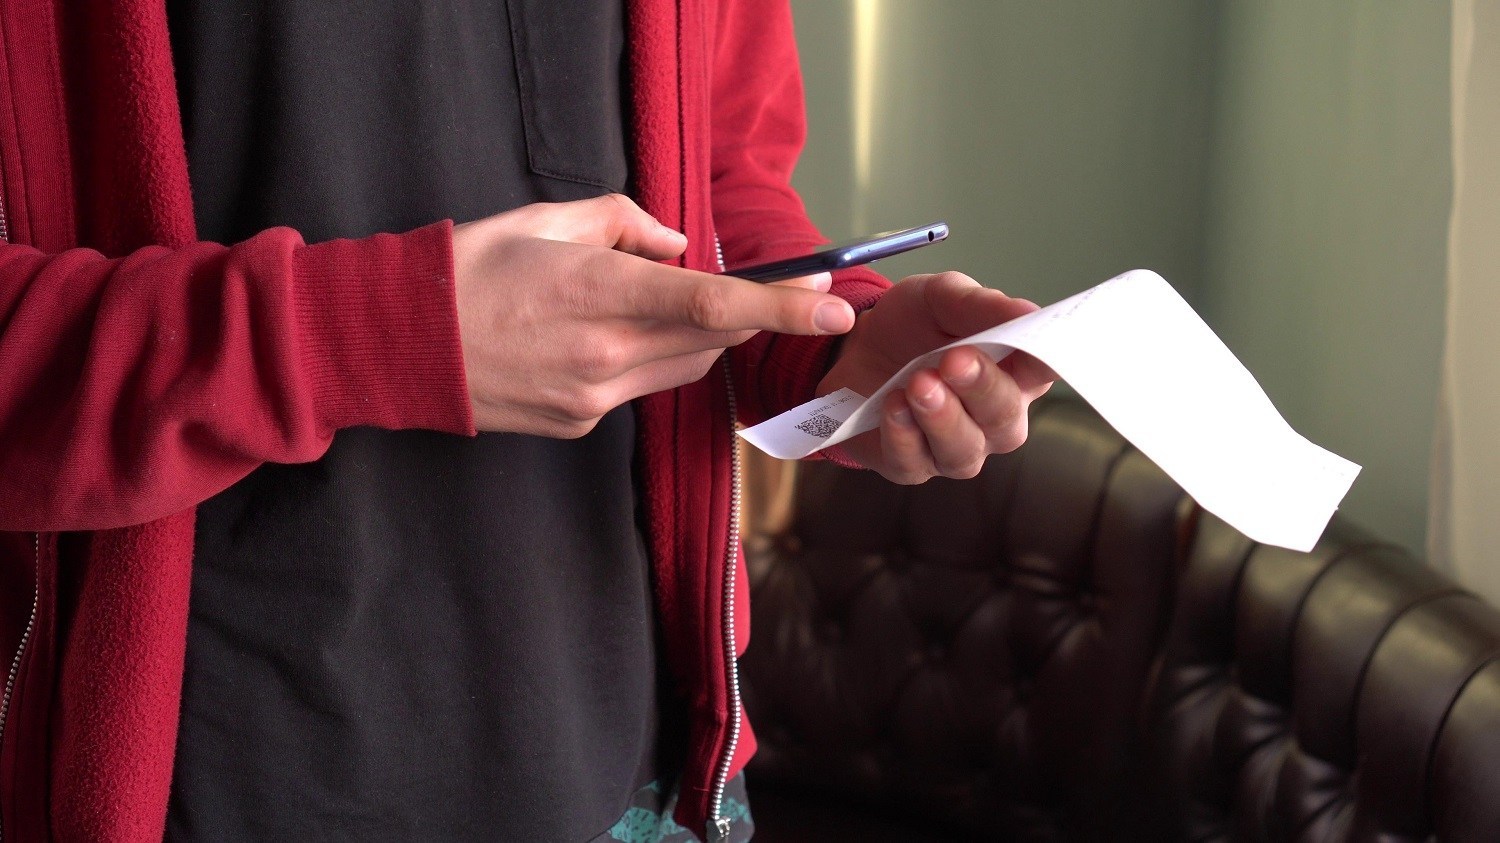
(133, 388)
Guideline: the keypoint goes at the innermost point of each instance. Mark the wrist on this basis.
(377, 319)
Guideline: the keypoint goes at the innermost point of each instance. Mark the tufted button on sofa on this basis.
(1067, 648)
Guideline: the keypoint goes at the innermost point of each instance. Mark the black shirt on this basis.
(419, 636)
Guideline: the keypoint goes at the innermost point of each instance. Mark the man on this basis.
(244, 481)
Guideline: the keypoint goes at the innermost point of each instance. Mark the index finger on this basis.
(721, 304)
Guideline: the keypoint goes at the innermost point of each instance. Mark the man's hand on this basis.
(564, 313)
(948, 419)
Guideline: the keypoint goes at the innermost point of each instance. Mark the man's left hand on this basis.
(949, 419)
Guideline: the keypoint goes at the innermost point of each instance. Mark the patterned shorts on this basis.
(649, 817)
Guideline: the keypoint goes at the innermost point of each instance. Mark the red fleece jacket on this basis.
(142, 371)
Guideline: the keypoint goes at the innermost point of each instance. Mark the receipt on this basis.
(1149, 365)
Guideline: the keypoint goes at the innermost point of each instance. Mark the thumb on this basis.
(612, 221)
(961, 307)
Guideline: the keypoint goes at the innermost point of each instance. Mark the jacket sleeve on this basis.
(759, 126)
(133, 388)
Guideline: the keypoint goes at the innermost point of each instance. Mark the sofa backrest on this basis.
(973, 651)
(1350, 693)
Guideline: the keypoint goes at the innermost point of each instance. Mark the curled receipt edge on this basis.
(1150, 366)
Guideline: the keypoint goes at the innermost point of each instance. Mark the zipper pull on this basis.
(718, 830)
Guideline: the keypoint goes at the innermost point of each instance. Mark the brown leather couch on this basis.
(1066, 648)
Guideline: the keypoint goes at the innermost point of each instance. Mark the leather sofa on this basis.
(1067, 648)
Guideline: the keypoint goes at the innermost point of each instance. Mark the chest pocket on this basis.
(568, 70)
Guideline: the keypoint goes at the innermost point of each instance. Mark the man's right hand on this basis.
(565, 314)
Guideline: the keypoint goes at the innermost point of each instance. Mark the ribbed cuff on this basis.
(800, 362)
(838, 456)
(378, 318)
(862, 289)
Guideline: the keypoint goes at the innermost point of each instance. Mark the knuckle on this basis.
(1009, 410)
(706, 308)
(621, 202)
(585, 407)
(613, 213)
(597, 360)
(902, 477)
(949, 284)
(917, 478)
(968, 471)
(1009, 438)
(908, 471)
(576, 429)
(961, 467)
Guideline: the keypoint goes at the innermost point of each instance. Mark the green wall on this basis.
(1063, 141)
(1284, 164)
(1329, 188)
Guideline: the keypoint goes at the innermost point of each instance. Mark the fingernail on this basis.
(969, 375)
(833, 317)
(932, 399)
(902, 416)
(822, 282)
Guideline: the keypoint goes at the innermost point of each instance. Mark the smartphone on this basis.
(844, 255)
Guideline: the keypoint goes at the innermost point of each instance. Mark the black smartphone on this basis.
(844, 255)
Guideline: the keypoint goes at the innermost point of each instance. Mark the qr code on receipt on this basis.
(820, 426)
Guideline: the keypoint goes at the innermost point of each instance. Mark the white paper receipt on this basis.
(1151, 367)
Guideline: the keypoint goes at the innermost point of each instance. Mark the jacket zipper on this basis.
(719, 824)
(15, 663)
(36, 586)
